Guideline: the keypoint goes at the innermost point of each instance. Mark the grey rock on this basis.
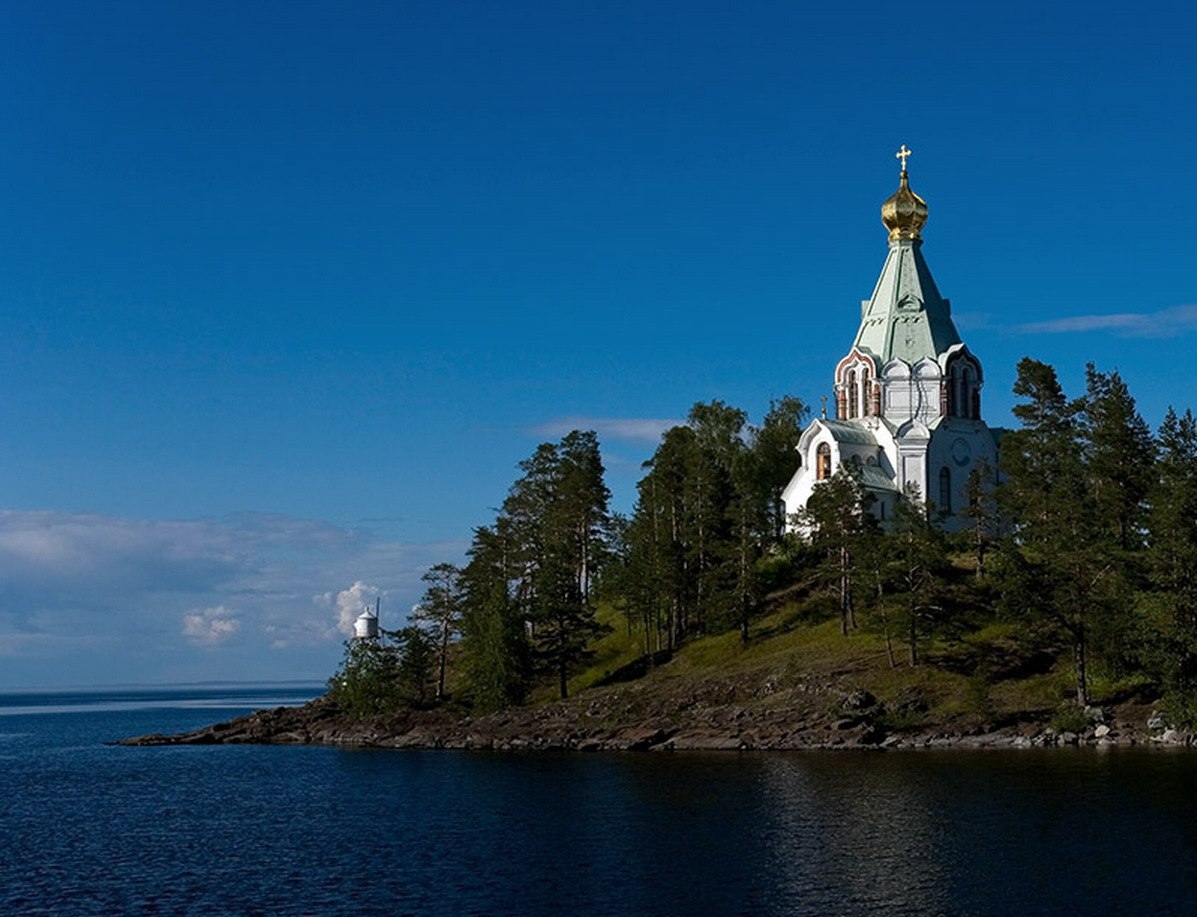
(858, 700)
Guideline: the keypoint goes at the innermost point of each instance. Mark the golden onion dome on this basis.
(905, 213)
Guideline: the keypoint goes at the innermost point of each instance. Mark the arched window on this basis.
(852, 393)
(945, 491)
(973, 387)
(822, 462)
(864, 392)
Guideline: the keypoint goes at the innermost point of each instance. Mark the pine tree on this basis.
(583, 500)
(557, 515)
(981, 512)
(708, 510)
(916, 561)
(663, 549)
(1119, 452)
(774, 447)
(839, 521)
(1054, 569)
(416, 654)
(440, 609)
(1170, 602)
(494, 637)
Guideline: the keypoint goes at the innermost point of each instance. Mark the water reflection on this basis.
(247, 829)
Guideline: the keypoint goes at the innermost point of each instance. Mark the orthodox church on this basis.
(908, 392)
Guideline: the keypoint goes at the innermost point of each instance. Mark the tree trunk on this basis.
(913, 639)
(889, 643)
(440, 677)
(845, 600)
(980, 548)
(1082, 685)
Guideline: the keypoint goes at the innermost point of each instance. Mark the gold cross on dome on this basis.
(902, 154)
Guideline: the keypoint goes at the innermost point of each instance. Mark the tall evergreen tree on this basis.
(582, 500)
(838, 519)
(663, 550)
(416, 661)
(494, 635)
(916, 561)
(557, 514)
(981, 512)
(440, 609)
(1170, 602)
(1054, 569)
(774, 447)
(1118, 452)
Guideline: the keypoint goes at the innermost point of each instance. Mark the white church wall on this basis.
(959, 447)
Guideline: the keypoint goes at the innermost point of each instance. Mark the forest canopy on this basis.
(1084, 540)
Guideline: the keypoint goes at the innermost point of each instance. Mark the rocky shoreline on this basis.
(709, 718)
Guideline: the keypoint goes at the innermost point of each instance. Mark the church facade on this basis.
(908, 391)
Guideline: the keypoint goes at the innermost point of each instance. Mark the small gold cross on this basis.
(902, 154)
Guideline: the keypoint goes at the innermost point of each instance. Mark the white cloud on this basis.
(210, 626)
(626, 429)
(70, 581)
(1166, 323)
(352, 602)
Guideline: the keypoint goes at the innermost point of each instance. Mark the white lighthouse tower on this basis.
(365, 627)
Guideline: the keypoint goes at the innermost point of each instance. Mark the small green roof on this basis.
(875, 479)
(844, 431)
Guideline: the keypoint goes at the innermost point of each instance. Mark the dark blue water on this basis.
(87, 828)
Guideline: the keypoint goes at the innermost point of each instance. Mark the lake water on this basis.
(87, 828)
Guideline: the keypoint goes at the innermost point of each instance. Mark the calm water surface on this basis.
(87, 828)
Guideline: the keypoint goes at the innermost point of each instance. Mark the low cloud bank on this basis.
(161, 590)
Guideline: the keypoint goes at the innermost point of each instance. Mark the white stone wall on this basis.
(958, 445)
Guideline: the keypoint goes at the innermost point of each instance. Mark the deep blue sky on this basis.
(286, 290)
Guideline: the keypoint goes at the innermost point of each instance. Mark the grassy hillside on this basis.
(994, 676)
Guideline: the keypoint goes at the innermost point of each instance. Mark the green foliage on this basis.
(383, 675)
(1056, 565)
(978, 696)
(494, 639)
(417, 657)
(1168, 603)
(911, 564)
(980, 510)
(1070, 718)
(368, 681)
(528, 589)
(1088, 542)
(1179, 708)
(1118, 457)
(842, 531)
(440, 611)
(708, 511)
